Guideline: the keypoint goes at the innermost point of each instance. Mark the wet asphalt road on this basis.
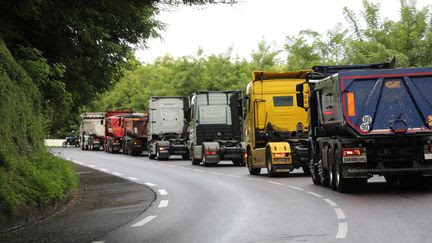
(226, 204)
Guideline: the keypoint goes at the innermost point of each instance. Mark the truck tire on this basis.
(158, 153)
(204, 160)
(331, 171)
(270, 169)
(313, 170)
(252, 170)
(194, 161)
(341, 183)
(322, 172)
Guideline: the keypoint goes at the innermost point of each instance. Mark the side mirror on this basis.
(299, 87)
(102, 122)
(300, 95)
(300, 100)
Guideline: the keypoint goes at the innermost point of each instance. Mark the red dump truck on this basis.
(114, 131)
(135, 133)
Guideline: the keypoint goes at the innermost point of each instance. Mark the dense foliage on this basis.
(55, 56)
(86, 44)
(369, 39)
(29, 174)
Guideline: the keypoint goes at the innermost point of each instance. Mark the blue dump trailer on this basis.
(369, 120)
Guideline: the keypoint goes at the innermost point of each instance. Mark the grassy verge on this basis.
(29, 174)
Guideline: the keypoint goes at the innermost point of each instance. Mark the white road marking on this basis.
(199, 170)
(340, 214)
(150, 184)
(216, 173)
(333, 204)
(314, 194)
(276, 183)
(185, 168)
(117, 174)
(172, 165)
(101, 241)
(162, 192)
(77, 162)
(92, 166)
(342, 231)
(254, 179)
(163, 204)
(132, 178)
(296, 188)
(103, 169)
(235, 176)
(144, 221)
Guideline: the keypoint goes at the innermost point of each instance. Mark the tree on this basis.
(92, 40)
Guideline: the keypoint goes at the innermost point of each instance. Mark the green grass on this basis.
(29, 174)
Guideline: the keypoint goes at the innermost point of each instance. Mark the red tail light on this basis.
(210, 152)
(352, 152)
(279, 154)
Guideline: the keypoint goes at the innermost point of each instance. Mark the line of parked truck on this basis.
(341, 124)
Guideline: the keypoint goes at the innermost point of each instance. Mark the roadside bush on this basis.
(29, 174)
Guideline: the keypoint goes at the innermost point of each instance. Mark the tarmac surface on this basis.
(101, 204)
(226, 204)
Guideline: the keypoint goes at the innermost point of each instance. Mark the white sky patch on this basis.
(216, 28)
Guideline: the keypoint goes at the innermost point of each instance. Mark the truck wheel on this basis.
(158, 153)
(270, 168)
(252, 170)
(313, 170)
(194, 161)
(323, 174)
(185, 156)
(204, 160)
(342, 184)
(331, 171)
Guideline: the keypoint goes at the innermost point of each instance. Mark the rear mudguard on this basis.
(280, 153)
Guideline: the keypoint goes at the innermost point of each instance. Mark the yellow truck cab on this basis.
(276, 126)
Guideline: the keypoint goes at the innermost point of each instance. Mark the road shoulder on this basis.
(101, 204)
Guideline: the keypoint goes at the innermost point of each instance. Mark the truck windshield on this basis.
(139, 127)
(283, 100)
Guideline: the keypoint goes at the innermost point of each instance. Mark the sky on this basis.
(215, 28)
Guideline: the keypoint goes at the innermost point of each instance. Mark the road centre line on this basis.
(163, 204)
(276, 183)
(330, 202)
(216, 173)
(199, 170)
(144, 221)
(117, 174)
(162, 192)
(132, 178)
(313, 194)
(340, 214)
(150, 184)
(296, 188)
(342, 231)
